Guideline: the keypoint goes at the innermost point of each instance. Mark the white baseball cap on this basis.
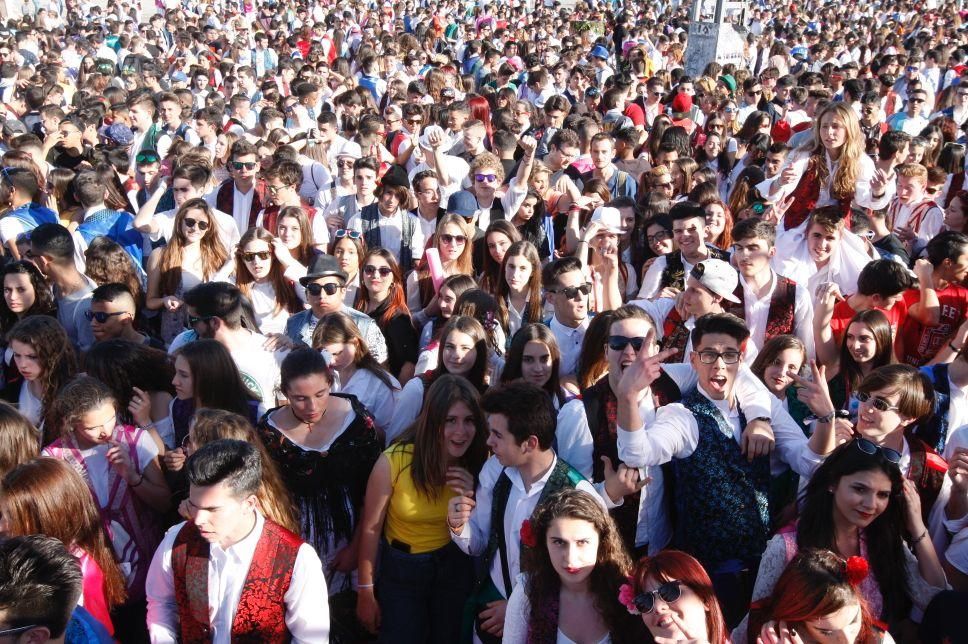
(718, 277)
(609, 217)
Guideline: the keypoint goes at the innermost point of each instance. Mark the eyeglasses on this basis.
(619, 342)
(101, 316)
(670, 592)
(453, 239)
(248, 165)
(19, 629)
(573, 292)
(186, 442)
(369, 270)
(756, 92)
(485, 177)
(871, 449)
(708, 356)
(659, 237)
(275, 189)
(195, 223)
(262, 254)
(344, 232)
(195, 319)
(729, 110)
(877, 403)
(315, 289)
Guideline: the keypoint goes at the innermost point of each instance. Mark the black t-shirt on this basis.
(891, 244)
(61, 158)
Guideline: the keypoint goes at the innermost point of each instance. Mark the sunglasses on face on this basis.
(101, 316)
(710, 357)
(273, 190)
(869, 448)
(369, 270)
(248, 165)
(574, 292)
(485, 177)
(619, 342)
(195, 223)
(877, 403)
(344, 232)
(262, 254)
(670, 592)
(315, 289)
(453, 239)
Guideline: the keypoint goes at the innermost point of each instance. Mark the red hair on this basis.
(671, 565)
(725, 239)
(481, 110)
(397, 298)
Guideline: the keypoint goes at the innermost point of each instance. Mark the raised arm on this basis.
(828, 295)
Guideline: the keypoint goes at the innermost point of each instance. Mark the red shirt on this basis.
(920, 342)
(843, 313)
(636, 113)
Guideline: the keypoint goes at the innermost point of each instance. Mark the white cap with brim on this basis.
(717, 276)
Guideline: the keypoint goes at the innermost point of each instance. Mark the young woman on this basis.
(719, 224)
(450, 289)
(21, 440)
(358, 371)
(265, 272)
(519, 291)
(223, 146)
(659, 237)
(120, 465)
(193, 255)
(106, 262)
(206, 376)
(573, 565)
(25, 293)
(780, 356)
(454, 242)
(46, 496)
(674, 595)
(463, 352)
(296, 234)
(325, 445)
(592, 364)
(868, 343)
(383, 299)
(424, 579)
(818, 599)
(498, 237)
(531, 220)
(534, 357)
(858, 504)
(349, 248)
(45, 361)
(140, 378)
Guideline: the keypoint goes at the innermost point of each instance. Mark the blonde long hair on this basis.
(845, 180)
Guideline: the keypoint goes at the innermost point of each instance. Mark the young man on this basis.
(172, 126)
(523, 471)
(388, 223)
(940, 303)
(52, 250)
(230, 573)
(915, 216)
(667, 274)
(910, 121)
(619, 182)
(426, 187)
(282, 179)
(342, 209)
(568, 288)
(99, 220)
(721, 503)
(325, 286)
(586, 431)
(770, 304)
(243, 196)
(112, 316)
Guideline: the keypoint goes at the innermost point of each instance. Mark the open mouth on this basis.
(718, 382)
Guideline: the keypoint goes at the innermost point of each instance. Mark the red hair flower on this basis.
(527, 534)
(856, 570)
(626, 597)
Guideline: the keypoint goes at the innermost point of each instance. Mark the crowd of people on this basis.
(443, 322)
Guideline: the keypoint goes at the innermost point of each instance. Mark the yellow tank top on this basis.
(412, 518)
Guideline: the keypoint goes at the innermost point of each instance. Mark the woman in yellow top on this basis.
(424, 579)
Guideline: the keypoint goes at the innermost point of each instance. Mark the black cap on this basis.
(323, 266)
(395, 176)
(686, 210)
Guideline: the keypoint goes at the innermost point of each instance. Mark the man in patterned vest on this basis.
(770, 304)
(230, 574)
(721, 474)
(523, 470)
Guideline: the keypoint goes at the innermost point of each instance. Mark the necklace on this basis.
(309, 425)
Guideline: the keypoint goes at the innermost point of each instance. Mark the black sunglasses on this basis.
(871, 449)
(195, 223)
(619, 342)
(101, 316)
(262, 254)
(248, 165)
(670, 592)
(370, 270)
(573, 292)
(195, 319)
(315, 289)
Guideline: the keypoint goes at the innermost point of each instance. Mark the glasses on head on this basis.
(485, 177)
(262, 254)
(659, 237)
(191, 222)
(345, 232)
(670, 592)
(453, 239)
(369, 270)
(871, 449)
(248, 165)
(101, 316)
(144, 158)
(574, 292)
(708, 356)
(316, 289)
(195, 319)
(877, 403)
(619, 342)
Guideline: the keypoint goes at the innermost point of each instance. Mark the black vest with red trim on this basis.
(779, 319)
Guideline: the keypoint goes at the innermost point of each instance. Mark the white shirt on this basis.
(408, 405)
(307, 606)
(569, 343)
(378, 399)
(521, 504)
(242, 207)
(517, 618)
(932, 222)
(758, 311)
(259, 368)
(228, 232)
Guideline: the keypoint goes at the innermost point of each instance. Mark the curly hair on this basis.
(106, 262)
(43, 298)
(122, 365)
(612, 565)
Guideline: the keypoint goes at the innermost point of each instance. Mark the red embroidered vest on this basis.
(675, 335)
(270, 218)
(917, 213)
(779, 319)
(805, 197)
(225, 199)
(260, 616)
